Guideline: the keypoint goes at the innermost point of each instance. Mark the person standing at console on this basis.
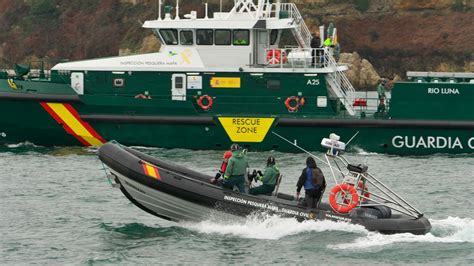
(312, 179)
(236, 169)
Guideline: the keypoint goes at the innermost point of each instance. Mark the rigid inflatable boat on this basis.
(175, 193)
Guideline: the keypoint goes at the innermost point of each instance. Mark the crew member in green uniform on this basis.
(236, 169)
(269, 178)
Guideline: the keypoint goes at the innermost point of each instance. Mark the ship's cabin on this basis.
(264, 34)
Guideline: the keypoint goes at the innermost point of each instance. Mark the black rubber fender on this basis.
(367, 213)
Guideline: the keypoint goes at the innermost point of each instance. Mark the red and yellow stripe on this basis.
(151, 170)
(68, 117)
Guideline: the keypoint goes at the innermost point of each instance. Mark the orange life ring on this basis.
(343, 208)
(205, 107)
(274, 57)
(290, 106)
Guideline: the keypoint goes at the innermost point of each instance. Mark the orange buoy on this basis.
(344, 188)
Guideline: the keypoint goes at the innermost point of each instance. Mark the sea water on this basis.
(57, 208)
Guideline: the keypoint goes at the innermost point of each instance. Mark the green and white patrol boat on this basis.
(226, 78)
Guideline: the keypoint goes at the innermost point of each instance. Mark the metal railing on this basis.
(340, 84)
(301, 31)
(371, 191)
(297, 57)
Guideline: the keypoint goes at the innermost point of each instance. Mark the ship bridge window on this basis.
(241, 37)
(273, 37)
(223, 37)
(204, 37)
(186, 37)
(170, 36)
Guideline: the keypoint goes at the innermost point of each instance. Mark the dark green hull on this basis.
(162, 122)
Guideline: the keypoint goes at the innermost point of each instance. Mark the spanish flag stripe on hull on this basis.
(68, 117)
(152, 171)
(85, 124)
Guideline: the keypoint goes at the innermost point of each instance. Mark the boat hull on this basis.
(28, 120)
(179, 194)
(48, 113)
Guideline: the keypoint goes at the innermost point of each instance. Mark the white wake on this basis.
(449, 230)
(271, 227)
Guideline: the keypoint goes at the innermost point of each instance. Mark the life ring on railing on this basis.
(343, 208)
(363, 188)
(205, 107)
(274, 56)
(292, 103)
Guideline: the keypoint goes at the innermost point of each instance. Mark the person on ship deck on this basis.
(381, 94)
(316, 51)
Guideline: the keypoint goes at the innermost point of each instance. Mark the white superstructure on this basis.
(245, 39)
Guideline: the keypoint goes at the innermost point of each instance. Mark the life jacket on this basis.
(308, 184)
(223, 167)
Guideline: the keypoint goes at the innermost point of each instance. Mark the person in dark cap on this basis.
(234, 174)
(312, 179)
(268, 178)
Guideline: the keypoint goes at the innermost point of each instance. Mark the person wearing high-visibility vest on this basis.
(328, 42)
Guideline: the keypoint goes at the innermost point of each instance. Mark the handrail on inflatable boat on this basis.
(390, 196)
(358, 175)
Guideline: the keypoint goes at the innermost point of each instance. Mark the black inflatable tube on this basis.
(136, 119)
(289, 122)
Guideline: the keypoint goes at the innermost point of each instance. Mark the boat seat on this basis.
(360, 168)
(285, 196)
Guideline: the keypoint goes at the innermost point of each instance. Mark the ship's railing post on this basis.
(159, 9)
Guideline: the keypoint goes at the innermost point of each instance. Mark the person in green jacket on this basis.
(269, 178)
(236, 169)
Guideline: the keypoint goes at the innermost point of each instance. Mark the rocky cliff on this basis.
(393, 35)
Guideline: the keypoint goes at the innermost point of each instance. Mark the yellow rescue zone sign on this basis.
(246, 129)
